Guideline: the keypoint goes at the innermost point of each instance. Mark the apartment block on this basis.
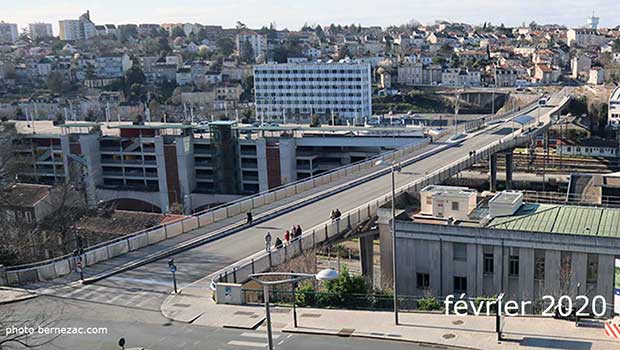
(40, 30)
(299, 90)
(8, 33)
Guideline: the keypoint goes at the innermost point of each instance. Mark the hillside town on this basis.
(175, 71)
(328, 186)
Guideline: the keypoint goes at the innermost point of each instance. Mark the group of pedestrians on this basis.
(289, 236)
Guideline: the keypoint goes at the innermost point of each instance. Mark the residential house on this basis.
(597, 76)
(457, 77)
(545, 74)
(613, 117)
(580, 66)
(583, 37)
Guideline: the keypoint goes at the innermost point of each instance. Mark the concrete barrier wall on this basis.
(270, 197)
(118, 248)
(233, 210)
(156, 235)
(246, 205)
(174, 229)
(27, 276)
(258, 201)
(46, 272)
(139, 241)
(280, 194)
(205, 219)
(62, 267)
(290, 191)
(12, 278)
(190, 224)
(219, 214)
(97, 255)
(307, 185)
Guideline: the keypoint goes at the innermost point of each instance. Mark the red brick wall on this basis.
(273, 165)
(172, 173)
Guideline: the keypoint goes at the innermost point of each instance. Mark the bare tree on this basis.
(20, 330)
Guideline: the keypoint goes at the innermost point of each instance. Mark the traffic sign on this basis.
(173, 268)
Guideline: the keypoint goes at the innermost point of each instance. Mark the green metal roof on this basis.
(563, 219)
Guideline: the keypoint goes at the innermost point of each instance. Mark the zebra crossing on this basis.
(105, 294)
(254, 340)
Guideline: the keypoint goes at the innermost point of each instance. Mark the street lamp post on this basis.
(289, 277)
(394, 167)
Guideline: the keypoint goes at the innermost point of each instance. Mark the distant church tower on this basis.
(593, 22)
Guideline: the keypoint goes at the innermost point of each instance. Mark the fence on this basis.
(263, 261)
(63, 265)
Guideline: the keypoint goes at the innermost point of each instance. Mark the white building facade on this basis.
(40, 30)
(257, 41)
(77, 29)
(8, 33)
(613, 118)
(304, 89)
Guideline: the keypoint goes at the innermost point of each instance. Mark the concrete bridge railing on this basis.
(264, 261)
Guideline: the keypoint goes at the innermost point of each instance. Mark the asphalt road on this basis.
(143, 327)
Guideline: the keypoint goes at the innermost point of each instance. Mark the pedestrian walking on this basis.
(249, 217)
(333, 215)
(287, 237)
(298, 231)
(268, 242)
(278, 244)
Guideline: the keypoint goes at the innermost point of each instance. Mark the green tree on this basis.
(134, 75)
(248, 89)
(56, 82)
(226, 46)
(247, 52)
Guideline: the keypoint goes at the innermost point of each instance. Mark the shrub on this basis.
(429, 304)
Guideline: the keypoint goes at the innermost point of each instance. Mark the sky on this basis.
(293, 14)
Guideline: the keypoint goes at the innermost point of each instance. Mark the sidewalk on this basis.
(195, 305)
(12, 295)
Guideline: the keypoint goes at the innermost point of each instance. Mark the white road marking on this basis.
(259, 335)
(140, 280)
(247, 343)
(73, 292)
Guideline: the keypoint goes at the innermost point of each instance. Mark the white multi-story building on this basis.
(8, 32)
(584, 37)
(257, 41)
(80, 29)
(303, 89)
(613, 118)
(40, 30)
(112, 66)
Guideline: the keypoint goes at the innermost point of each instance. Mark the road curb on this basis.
(29, 295)
(377, 337)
